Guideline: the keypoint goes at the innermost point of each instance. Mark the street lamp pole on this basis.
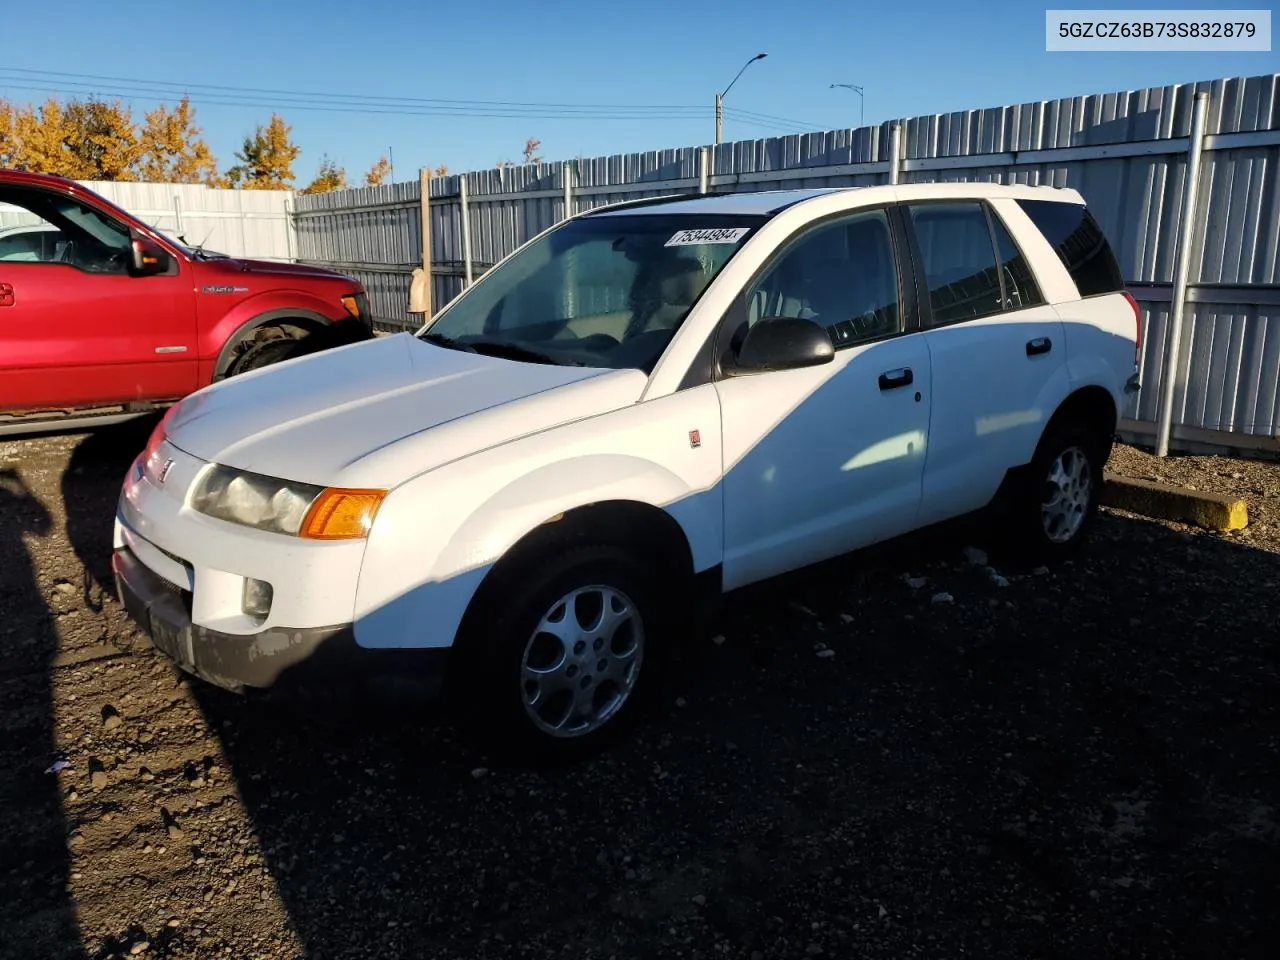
(720, 96)
(858, 91)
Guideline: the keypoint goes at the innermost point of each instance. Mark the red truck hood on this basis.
(237, 266)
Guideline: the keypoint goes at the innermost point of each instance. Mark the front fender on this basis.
(423, 562)
(262, 308)
(520, 507)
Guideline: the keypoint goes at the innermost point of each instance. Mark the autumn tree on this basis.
(266, 160)
(377, 175)
(102, 140)
(8, 141)
(440, 171)
(531, 151)
(173, 150)
(38, 139)
(329, 178)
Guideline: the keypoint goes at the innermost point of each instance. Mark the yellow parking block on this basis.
(1210, 511)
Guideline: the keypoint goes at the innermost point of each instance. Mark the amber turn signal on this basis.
(352, 306)
(342, 514)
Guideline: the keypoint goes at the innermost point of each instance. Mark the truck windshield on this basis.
(604, 291)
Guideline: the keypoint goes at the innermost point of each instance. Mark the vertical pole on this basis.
(1186, 236)
(566, 168)
(719, 116)
(177, 215)
(466, 226)
(895, 151)
(704, 169)
(290, 228)
(424, 188)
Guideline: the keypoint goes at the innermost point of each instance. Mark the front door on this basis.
(823, 460)
(76, 330)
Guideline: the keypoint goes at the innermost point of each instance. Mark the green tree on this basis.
(266, 159)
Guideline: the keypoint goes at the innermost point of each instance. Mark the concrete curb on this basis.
(1210, 511)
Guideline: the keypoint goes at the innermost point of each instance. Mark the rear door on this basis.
(997, 353)
(76, 330)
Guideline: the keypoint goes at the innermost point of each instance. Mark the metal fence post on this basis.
(704, 169)
(1182, 265)
(895, 151)
(566, 171)
(290, 228)
(466, 226)
(177, 215)
(424, 189)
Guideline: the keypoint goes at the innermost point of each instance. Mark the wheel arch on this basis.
(646, 530)
(1092, 405)
(307, 321)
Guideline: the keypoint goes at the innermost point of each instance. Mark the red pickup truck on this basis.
(103, 317)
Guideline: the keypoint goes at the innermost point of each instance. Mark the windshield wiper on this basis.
(513, 351)
(440, 340)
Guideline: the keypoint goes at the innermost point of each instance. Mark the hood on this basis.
(373, 414)
(238, 266)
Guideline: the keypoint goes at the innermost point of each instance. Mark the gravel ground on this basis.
(893, 755)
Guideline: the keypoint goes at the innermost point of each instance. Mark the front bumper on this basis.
(274, 658)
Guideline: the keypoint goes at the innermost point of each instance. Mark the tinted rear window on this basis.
(1080, 243)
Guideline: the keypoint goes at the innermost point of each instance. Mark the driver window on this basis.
(841, 275)
(41, 227)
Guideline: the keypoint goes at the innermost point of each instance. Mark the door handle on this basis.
(1039, 345)
(893, 379)
(6, 295)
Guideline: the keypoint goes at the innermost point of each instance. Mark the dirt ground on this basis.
(895, 755)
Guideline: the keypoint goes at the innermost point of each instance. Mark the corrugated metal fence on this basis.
(1125, 152)
(240, 223)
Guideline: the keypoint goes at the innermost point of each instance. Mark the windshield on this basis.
(603, 291)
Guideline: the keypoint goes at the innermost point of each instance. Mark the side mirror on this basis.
(784, 343)
(147, 258)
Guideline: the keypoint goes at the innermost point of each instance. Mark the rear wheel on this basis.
(1057, 503)
(553, 661)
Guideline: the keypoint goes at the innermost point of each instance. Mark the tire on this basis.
(262, 351)
(1056, 504)
(592, 682)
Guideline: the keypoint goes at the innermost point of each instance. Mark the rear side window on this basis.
(1080, 244)
(959, 260)
(1020, 288)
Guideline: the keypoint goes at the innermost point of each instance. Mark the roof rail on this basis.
(642, 202)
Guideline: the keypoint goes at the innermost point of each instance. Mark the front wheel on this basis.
(553, 661)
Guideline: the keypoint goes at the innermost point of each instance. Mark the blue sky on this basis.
(911, 59)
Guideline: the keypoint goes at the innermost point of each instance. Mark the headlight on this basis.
(284, 506)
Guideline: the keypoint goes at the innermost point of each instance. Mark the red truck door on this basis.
(76, 328)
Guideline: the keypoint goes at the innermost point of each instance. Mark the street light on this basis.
(858, 91)
(720, 96)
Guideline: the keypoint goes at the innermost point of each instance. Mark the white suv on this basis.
(645, 404)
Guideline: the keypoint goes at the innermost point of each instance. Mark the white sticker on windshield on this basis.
(688, 238)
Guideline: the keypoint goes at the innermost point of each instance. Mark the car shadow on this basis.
(37, 914)
(879, 750)
(1030, 746)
